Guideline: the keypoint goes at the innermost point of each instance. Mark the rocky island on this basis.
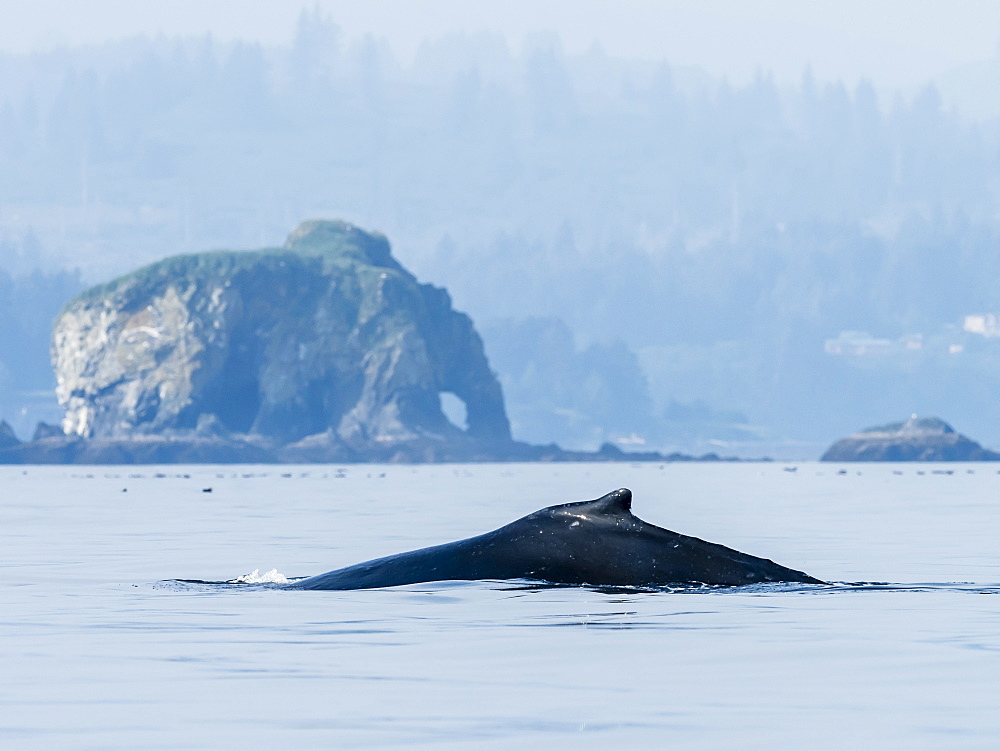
(323, 350)
(927, 439)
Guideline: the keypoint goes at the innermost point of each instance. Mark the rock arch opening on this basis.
(454, 408)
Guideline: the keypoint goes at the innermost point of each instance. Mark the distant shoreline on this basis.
(140, 450)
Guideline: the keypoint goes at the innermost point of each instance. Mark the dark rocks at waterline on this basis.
(66, 449)
(186, 448)
(928, 439)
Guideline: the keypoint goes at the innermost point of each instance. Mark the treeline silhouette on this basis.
(715, 231)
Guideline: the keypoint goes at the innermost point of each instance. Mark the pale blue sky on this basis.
(895, 42)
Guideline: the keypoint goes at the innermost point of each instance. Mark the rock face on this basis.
(915, 440)
(7, 436)
(326, 344)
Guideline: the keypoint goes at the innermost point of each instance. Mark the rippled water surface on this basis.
(103, 646)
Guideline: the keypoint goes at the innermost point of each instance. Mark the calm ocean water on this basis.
(102, 648)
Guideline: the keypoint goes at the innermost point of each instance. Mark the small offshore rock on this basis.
(927, 439)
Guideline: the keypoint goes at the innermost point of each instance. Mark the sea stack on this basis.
(327, 346)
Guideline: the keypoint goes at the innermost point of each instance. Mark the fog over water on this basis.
(748, 228)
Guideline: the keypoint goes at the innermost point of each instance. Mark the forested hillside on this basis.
(718, 233)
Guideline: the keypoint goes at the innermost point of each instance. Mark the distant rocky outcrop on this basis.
(7, 436)
(45, 430)
(324, 348)
(927, 439)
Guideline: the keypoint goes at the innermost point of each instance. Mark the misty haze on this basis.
(545, 374)
(653, 256)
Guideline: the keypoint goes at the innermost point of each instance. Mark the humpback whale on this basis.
(597, 542)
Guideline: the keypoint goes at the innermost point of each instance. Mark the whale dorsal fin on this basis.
(615, 503)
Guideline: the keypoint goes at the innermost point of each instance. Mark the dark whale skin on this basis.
(597, 542)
